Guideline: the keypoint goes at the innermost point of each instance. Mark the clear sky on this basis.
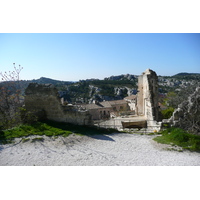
(78, 56)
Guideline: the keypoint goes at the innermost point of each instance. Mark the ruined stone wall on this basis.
(140, 94)
(45, 97)
(147, 97)
(153, 96)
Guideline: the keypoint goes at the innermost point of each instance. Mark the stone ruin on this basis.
(146, 106)
(147, 96)
(147, 99)
(44, 97)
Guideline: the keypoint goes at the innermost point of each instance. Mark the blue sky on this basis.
(77, 56)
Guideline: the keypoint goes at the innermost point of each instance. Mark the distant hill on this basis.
(44, 80)
(187, 74)
(129, 77)
(114, 87)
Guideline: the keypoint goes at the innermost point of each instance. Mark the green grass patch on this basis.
(26, 130)
(50, 128)
(179, 137)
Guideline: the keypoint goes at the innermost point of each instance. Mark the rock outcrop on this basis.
(187, 115)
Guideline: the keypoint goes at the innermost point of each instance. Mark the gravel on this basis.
(119, 149)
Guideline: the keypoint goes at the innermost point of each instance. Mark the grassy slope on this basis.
(180, 138)
(50, 129)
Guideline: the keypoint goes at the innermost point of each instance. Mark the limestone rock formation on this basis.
(187, 115)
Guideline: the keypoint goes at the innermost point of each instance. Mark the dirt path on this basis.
(99, 150)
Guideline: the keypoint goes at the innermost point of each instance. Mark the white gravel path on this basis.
(118, 149)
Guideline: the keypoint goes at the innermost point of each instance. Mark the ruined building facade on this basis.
(143, 107)
(44, 97)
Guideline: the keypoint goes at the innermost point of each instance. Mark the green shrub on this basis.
(166, 114)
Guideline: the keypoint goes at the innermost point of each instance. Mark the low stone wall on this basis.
(45, 97)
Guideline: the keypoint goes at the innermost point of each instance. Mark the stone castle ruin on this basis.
(44, 97)
(143, 108)
(147, 99)
(147, 96)
(144, 105)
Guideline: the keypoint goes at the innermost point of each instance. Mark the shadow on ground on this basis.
(90, 131)
(101, 137)
(1, 148)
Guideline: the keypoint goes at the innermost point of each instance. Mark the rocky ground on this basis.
(118, 149)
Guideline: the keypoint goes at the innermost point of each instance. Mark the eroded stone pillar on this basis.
(147, 97)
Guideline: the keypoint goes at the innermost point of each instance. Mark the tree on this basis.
(10, 92)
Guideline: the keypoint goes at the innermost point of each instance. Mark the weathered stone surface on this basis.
(45, 97)
(187, 115)
(144, 104)
(147, 97)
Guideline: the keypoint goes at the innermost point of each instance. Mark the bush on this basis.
(166, 114)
